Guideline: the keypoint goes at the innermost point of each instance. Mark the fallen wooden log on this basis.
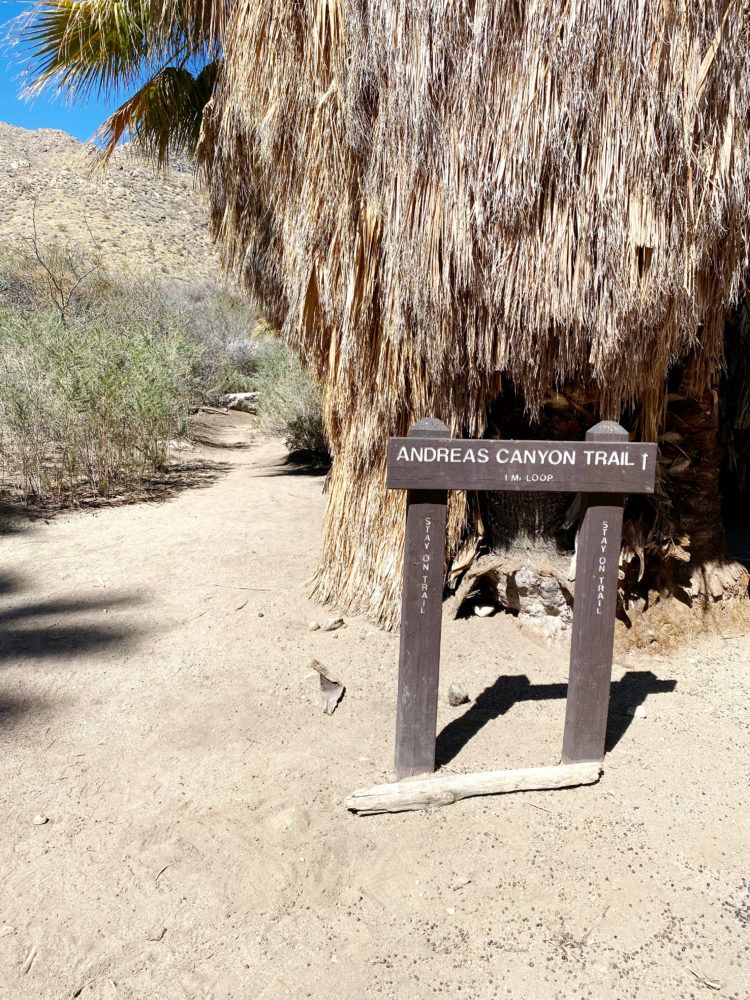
(428, 791)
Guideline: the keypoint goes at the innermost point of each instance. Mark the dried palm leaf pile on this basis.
(434, 197)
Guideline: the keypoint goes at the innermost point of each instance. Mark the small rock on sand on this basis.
(40, 820)
(484, 610)
(457, 695)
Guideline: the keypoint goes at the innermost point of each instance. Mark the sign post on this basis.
(592, 642)
(421, 620)
(427, 464)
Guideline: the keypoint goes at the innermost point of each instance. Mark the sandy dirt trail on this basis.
(157, 706)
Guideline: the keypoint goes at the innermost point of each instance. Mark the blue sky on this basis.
(80, 121)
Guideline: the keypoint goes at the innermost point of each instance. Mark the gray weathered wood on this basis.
(421, 616)
(597, 465)
(594, 617)
(443, 789)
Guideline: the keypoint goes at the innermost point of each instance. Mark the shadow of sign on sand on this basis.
(497, 699)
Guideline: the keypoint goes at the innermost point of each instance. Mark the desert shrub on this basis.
(60, 276)
(289, 398)
(98, 372)
(69, 281)
(86, 407)
(224, 329)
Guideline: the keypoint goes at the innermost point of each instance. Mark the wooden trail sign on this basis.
(427, 464)
(605, 462)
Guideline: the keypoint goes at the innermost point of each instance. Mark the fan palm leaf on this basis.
(163, 117)
(168, 50)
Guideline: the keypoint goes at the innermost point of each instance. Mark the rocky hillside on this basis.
(134, 218)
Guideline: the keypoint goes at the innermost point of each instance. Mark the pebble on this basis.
(484, 610)
(314, 626)
(156, 933)
(40, 820)
(332, 624)
(637, 712)
(457, 695)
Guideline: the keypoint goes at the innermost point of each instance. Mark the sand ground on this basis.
(157, 706)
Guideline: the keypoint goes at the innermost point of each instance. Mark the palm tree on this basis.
(167, 55)
(446, 206)
(453, 207)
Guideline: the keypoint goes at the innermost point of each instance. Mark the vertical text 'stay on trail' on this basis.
(427, 464)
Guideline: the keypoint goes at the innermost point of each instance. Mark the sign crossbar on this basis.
(602, 464)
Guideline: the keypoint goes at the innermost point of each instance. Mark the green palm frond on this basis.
(163, 117)
(77, 46)
(80, 46)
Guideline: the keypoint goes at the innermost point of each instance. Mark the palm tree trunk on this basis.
(676, 559)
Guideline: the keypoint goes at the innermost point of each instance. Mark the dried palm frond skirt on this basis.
(432, 198)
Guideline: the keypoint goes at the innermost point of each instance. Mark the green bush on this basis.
(70, 282)
(86, 407)
(99, 373)
(289, 402)
(225, 331)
